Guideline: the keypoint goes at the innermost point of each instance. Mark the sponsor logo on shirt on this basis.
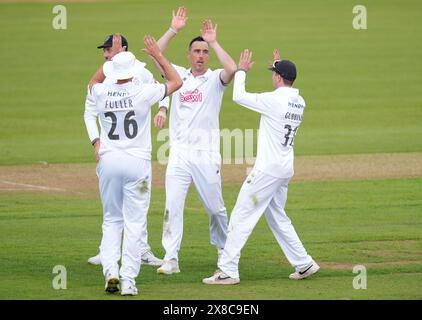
(116, 94)
(295, 105)
(191, 96)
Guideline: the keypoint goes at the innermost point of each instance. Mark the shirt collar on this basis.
(205, 76)
(293, 90)
(141, 64)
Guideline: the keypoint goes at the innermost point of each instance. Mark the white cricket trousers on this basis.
(203, 168)
(125, 187)
(262, 193)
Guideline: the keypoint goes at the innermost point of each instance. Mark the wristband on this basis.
(173, 30)
(93, 142)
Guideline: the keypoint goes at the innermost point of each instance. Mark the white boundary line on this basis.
(31, 186)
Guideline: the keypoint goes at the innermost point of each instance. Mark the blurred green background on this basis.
(362, 87)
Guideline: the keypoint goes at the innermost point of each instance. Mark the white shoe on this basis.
(95, 260)
(149, 259)
(307, 272)
(112, 284)
(128, 288)
(220, 277)
(169, 267)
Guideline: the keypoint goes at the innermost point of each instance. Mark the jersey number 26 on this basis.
(127, 124)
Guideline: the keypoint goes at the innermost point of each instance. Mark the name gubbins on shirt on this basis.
(118, 104)
(191, 96)
(293, 116)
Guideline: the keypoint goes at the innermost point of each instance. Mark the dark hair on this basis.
(199, 38)
(287, 82)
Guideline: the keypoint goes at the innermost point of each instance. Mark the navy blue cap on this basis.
(285, 68)
(108, 42)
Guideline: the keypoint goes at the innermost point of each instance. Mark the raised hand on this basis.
(116, 46)
(276, 55)
(208, 31)
(151, 47)
(179, 19)
(160, 119)
(245, 61)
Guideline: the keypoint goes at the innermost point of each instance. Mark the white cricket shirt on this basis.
(90, 116)
(142, 74)
(195, 108)
(124, 112)
(281, 115)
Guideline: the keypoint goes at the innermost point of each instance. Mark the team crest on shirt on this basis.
(191, 96)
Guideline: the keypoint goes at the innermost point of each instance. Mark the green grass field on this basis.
(340, 222)
(362, 93)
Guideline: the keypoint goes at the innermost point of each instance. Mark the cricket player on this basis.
(265, 189)
(124, 167)
(195, 139)
(112, 45)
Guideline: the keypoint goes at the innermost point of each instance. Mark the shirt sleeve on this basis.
(221, 86)
(164, 103)
(146, 75)
(91, 114)
(252, 101)
(155, 92)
